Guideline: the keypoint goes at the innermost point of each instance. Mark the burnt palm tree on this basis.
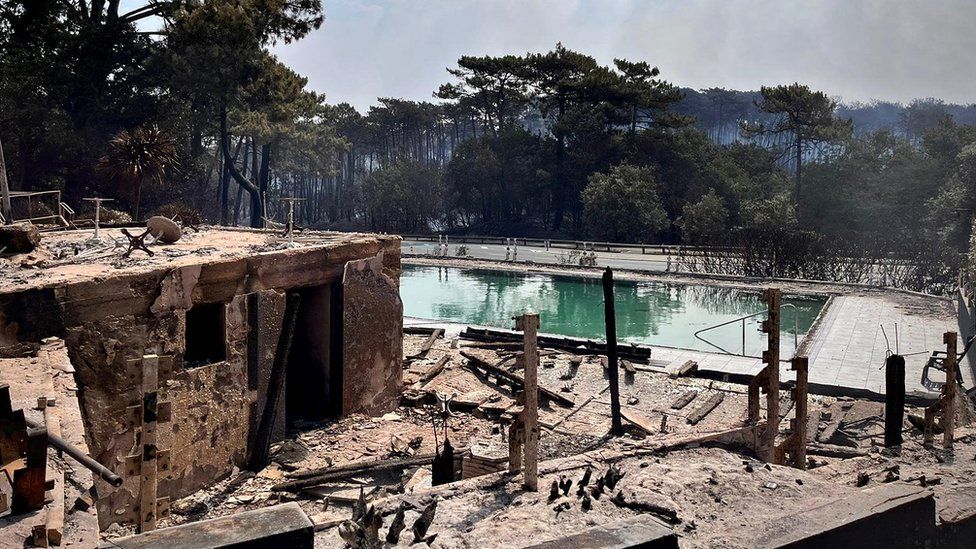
(137, 157)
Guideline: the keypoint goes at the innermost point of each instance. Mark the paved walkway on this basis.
(849, 348)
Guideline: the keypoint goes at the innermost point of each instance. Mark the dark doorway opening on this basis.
(314, 376)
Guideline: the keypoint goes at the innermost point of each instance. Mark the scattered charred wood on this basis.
(425, 348)
(419, 330)
(683, 400)
(668, 514)
(584, 481)
(493, 345)
(397, 526)
(316, 477)
(637, 420)
(580, 347)
(832, 450)
(475, 362)
(423, 522)
(685, 369)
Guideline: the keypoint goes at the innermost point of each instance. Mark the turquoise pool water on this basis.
(652, 313)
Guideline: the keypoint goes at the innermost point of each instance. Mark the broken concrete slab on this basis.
(639, 532)
(891, 516)
(284, 525)
(957, 516)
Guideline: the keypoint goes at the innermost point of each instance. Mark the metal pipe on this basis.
(95, 467)
(743, 337)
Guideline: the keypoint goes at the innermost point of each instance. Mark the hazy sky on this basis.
(857, 49)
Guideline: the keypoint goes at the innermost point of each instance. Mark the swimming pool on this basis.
(653, 313)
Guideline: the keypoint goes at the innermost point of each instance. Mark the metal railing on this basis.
(662, 249)
(796, 331)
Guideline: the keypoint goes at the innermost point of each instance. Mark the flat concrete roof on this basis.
(68, 257)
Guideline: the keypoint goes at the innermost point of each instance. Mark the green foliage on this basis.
(705, 220)
(808, 118)
(623, 204)
(403, 197)
(135, 158)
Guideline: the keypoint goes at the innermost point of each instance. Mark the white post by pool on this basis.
(98, 210)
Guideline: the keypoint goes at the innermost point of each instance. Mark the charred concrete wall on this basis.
(212, 408)
(372, 338)
(207, 430)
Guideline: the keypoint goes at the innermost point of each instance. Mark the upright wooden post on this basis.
(894, 399)
(147, 485)
(946, 406)
(949, 391)
(796, 445)
(767, 443)
(616, 425)
(529, 325)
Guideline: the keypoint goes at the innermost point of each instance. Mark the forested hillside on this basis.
(200, 116)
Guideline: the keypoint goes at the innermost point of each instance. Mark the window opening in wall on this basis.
(205, 335)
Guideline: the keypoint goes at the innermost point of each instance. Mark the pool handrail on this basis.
(796, 331)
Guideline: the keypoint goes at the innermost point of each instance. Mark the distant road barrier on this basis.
(662, 249)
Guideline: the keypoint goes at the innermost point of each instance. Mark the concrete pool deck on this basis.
(846, 347)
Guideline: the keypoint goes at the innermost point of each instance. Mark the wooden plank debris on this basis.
(576, 346)
(431, 338)
(434, 370)
(833, 450)
(684, 400)
(713, 401)
(316, 477)
(689, 367)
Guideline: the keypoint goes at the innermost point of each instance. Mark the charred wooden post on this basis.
(894, 399)
(260, 457)
(946, 406)
(29, 482)
(768, 379)
(529, 325)
(795, 446)
(616, 425)
(147, 484)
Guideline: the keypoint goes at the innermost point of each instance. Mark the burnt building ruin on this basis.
(209, 310)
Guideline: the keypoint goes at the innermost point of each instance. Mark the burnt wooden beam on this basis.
(610, 319)
(706, 408)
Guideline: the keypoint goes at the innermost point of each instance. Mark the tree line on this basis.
(200, 118)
